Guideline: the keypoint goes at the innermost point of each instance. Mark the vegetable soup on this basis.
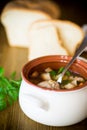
(48, 78)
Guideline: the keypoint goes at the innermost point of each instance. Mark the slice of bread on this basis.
(44, 40)
(54, 37)
(17, 23)
(70, 33)
(17, 17)
(50, 37)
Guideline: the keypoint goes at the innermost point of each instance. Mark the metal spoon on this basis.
(77, 53)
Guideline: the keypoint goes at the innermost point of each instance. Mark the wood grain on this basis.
(12, 118)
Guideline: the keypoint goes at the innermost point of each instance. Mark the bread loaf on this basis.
(44, 40)
(49, 37)
(33, 25)
(18, 15)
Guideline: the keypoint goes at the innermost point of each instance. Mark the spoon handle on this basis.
(77, 53)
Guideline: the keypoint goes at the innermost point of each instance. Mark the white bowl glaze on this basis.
(53, 107)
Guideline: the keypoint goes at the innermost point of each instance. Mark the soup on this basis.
(48, 78)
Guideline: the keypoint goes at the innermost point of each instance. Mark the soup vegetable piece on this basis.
(48, 79)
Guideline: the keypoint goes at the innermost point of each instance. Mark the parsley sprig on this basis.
(9, 89)
(55, 73)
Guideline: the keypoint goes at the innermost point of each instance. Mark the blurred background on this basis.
(73, 10)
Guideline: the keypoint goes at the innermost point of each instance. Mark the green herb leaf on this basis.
(64, 82)
(12, 76)
(1, 71)
(3, 103)
(9, 89)
(68, 73)
(53, 74)
(60, 70)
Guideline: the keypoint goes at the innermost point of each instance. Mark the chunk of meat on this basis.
(49, 84)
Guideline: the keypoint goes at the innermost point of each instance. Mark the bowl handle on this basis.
(35, 102)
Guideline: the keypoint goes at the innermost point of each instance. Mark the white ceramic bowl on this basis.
(53, 107)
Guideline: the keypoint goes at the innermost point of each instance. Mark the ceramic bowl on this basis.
(53, 107)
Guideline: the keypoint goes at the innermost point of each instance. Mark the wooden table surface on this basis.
(12, 118)
(12, 58)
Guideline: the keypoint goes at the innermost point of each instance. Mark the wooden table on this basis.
(12, 118)
(12, 58)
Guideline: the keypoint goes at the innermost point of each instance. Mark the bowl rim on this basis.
(62, 57)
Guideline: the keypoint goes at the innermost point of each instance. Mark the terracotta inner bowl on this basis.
(54, 62)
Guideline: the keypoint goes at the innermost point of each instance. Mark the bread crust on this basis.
(46, 6)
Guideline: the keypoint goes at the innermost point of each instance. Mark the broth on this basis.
(48, 78)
